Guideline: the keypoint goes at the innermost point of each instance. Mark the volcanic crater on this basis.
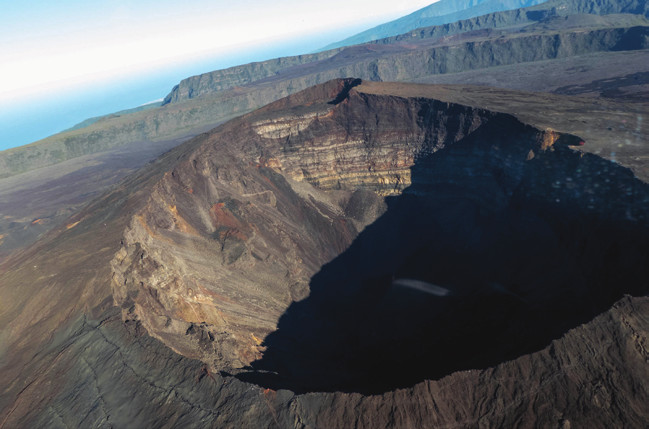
(339, 240)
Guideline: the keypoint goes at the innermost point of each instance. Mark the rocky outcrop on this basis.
(593, 376)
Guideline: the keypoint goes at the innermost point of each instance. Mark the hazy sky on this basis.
(54, 44)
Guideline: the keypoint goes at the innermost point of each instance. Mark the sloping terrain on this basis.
(295, 247)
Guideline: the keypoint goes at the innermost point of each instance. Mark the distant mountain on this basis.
(439, 13)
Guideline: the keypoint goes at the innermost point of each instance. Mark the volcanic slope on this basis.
(369, 238)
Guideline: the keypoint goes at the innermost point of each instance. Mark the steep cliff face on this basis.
(487, 221)
(269, 199)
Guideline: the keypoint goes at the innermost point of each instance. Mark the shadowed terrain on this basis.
(487, 256)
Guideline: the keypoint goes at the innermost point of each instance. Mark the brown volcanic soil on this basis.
(212, 248)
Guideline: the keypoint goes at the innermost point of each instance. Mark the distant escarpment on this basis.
(403, 62)
(522, 17)
(438, 13)
(221, 80)
(344, 240)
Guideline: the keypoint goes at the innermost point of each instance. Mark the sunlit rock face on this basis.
(335, 235)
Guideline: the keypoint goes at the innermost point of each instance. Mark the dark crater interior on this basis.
(486, 256)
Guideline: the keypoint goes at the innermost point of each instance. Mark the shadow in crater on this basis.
(487, 256)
